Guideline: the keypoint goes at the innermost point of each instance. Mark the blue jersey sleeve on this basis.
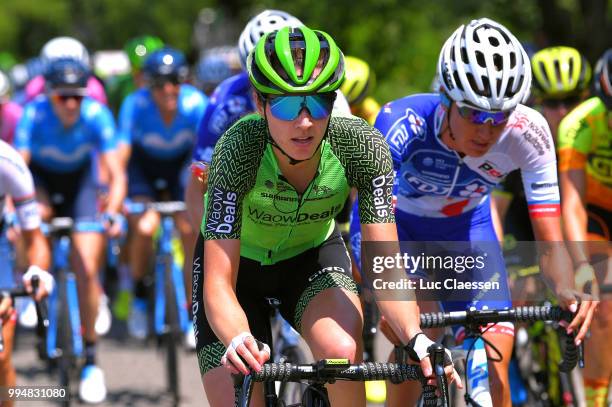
(230, 101)
(126, 120)
(102, 124)
(388, 122)
(404, 120)
(193, 104)
(25, 126)
(207, 136)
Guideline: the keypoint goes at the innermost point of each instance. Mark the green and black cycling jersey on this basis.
(249, 199)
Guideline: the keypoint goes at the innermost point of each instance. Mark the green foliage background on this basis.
(399, 38)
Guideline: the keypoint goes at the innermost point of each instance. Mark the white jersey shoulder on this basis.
(16, 182)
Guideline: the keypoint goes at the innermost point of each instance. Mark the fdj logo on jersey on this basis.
(488, 168)
(222, 211)
(410, 125)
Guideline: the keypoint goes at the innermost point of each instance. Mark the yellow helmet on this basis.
(358, 81)
(559, 72)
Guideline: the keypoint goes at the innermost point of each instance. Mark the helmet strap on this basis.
(447, 108)
(450, 130)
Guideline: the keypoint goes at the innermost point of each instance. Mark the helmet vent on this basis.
(544, 73)
(493, 41)
(486, 91)
(464, 56)
(498, 61)
(480, 58)
(557, 69)
(458, 81)
(509, 88)
(512, 60)
(507, 39)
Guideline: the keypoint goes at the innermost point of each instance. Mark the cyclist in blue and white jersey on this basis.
(58, 135)
(159, 122)
(451, 149)
(16, 183)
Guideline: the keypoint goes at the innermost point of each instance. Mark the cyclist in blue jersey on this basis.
(58, 135)
(451, 149)
(159, 122)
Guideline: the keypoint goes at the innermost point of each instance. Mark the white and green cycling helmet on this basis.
(484, 66)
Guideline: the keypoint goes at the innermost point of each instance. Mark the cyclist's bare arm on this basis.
(37, 249)
(557, 268)
(499, 208)
(124, 151)
(223, 311)
(194, 194)
(118, 181)
(403, 316)
(573, 192)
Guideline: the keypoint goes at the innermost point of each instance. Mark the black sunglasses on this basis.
(66, 97)
(161, 81)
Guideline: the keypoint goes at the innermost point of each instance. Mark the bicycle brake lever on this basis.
(436, 356)
(437, 359)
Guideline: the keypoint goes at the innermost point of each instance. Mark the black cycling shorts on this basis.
(294, 282)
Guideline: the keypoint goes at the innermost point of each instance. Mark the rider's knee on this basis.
(146, 225)
(343, 347)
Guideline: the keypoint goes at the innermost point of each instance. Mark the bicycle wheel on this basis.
(171, 336)
(63, 356)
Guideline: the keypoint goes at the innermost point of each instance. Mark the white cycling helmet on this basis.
(5, 87)
(64, 47)
(484, 66)
(263, 23)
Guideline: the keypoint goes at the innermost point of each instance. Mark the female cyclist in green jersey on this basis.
(276, 181)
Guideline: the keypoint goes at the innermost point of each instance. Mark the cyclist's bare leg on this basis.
(189, 235)
(499, 381)
(143, 228)
(8, 377)
(332, 324)
(88, 248)
(219, 389)
(598, 361)
(408, 393)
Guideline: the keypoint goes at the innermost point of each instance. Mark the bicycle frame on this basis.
(477, 372)
(61, 254)
(164, 255)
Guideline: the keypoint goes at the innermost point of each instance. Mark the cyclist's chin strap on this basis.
(448, 127)
(293, 161)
